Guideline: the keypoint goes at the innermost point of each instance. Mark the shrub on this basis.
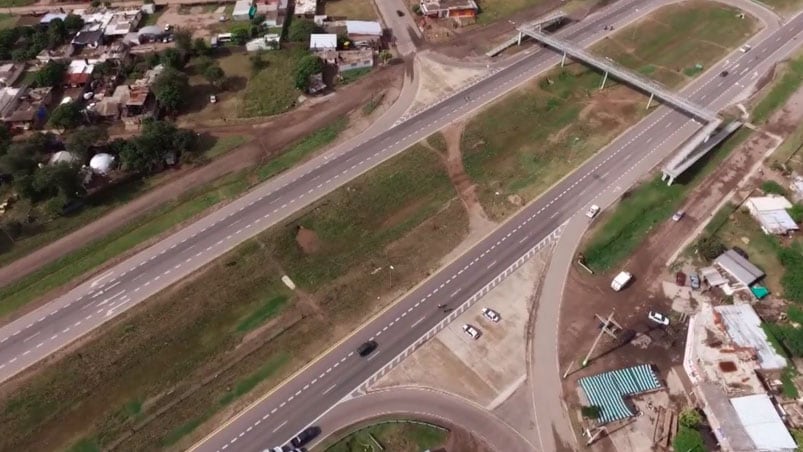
(710, 247)
(796, 212)
(688, 440)
(792, 279)
(690, 418)
(590, 412)
(772, 187)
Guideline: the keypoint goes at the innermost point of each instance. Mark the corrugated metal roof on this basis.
(776, 221)
(762, 423)
(363, 27)
(242, 8)
(738, 267)
(322, 41)
(608, 389)
(744, 328)
(762, 203)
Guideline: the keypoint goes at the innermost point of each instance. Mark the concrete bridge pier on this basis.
(604, 79)
(668, 178)
(649, 101)
(563, 59)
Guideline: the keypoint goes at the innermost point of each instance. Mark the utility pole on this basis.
(602, 331)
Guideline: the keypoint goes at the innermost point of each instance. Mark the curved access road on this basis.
(422, 404)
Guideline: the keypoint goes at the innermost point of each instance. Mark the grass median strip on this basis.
(151, 225)
(396, 436)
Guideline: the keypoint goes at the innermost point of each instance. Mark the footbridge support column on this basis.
(563, 59)
(649, 101)
(520, 36)
(604, 79)
(668, 178)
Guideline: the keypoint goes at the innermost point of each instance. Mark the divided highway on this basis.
(45, 330)
(312, 393)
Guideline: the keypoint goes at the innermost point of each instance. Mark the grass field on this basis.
(351, 9)
(508, 157)
(272, 90)
(8, 21)
(784, 6)
(393, 436)
(789, 81)
(13, 3)
(403, 213)
(150, 225)
(493, 10)
(644, 207)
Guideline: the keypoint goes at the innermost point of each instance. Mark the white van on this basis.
(621, 281)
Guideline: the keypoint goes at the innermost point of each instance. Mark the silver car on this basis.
(471, 331)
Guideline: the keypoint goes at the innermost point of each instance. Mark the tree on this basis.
(203, 63)
(61, 179)
(200, 47)
(171, 88)
(300, 29)
(385, 56)
(94, 3)
(172, 57)
(66, 116)
(590, 412)
(81, 141)
(56, 33)
(50, 75)
(688, 440)
(690, 418)
(148, 151)
(214, 75)
(240, 35)
(183, 40)
(710, 247)
(307, 66)
(73, 23)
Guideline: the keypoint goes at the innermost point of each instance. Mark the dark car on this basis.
(306, 436)
(723, 74)
(400, 13)
(680, 278)
(366, 348)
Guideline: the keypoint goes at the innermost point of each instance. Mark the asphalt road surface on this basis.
(50, 327)
(310, 394)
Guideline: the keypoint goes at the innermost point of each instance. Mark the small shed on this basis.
(741, 269)
(242, 10)
(771, 214)
(762, 423)
(712, 276)
(322, 41)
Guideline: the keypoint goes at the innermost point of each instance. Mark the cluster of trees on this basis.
(688, 437)
(58, 184)
(24, 43)
(308, 65)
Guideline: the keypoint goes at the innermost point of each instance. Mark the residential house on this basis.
(242, 10)
(461, 11)
(274, 12)
(364, 33)
(61, 54)
(123, 22)
(48, 17)
(305, 8)
(740, 269)
(28, 108)
(117, 51)
(150, 33)
(348, 60)
(10, 73)
(771, 214)
(322, 41)
(79, 74)
(728, 359)
(88, 38)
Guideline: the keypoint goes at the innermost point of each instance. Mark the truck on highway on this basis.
(621, 281)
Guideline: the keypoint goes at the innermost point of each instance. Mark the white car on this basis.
(678, 215)
(490, 314)
(212, 99)
(471, 331)
(658, 318)
(745, 48)
(592, 211)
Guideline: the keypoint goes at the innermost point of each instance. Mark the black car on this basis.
(399, 13)
(366, 348)
(723, 74)
(306, 436)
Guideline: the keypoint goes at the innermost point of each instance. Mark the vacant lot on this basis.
(393, 436)
(527, 141)
(404, 214)
(492, 10)
(272, 90)
(351, 9)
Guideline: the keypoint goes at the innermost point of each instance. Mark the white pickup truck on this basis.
(621, 281)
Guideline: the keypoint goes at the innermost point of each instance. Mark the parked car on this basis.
(680, 279)
(658, 318)
(490, 314)
(400, 13)
(592, 211)
(694, 281)
(471, 331)
(284, 448)
(366, 348)
(306, 436)
(212, 99)
(678, 215)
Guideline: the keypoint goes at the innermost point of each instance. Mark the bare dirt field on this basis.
(586, 295)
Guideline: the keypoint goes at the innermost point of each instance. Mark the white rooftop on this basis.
(744, 328)
(241, 8)
(306, 7)
(363, 27)
(80, 67)
(320, 41)
(762, 423)
(766, 203)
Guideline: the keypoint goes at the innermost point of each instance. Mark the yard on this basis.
(396, 436)
(351, 9)
(513, 162)
(403, 213)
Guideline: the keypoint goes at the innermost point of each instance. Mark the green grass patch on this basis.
(693, 71)
(353, 75)
(183, 430)
(151, 19)
(8, 21)
(269, 309)
(493, 10)
(642, 208)
(225, 144)
(372, 104)
(85, 445)
(13, 3)
(393, 436)
(303, 149)
(352, 9)
(250, 382)
(789, 82)
(272, 90)
(788, 387)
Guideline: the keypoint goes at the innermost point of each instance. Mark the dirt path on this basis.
(270, 139)
(587, 295)
(465, 187)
